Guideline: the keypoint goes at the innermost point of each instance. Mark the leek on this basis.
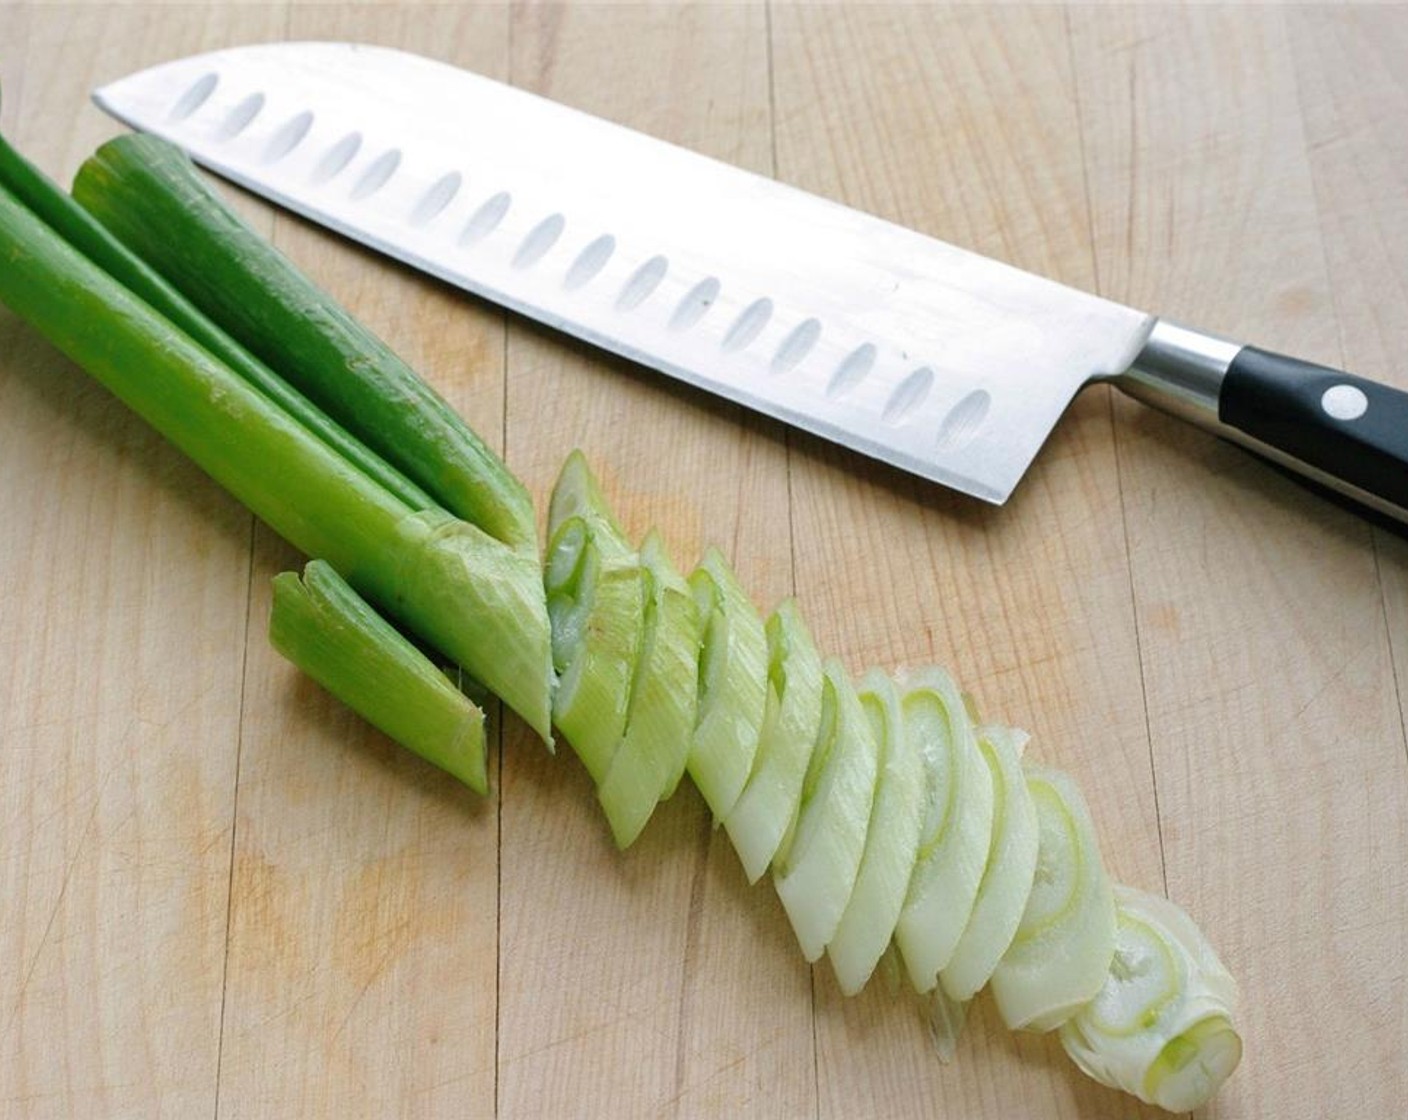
(1161, 1027)
(1059, 958)
(147, 193)
(891, 842)
(769, 802)
(457, 587)
(325, 628)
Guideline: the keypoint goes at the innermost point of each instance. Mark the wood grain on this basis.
(221, 894)
(1273, 712)
(671, 984)
(1029, 605)
(363, 913)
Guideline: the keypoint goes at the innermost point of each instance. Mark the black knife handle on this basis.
(1343, 431)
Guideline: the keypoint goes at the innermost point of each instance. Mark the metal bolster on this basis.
(1180, 371)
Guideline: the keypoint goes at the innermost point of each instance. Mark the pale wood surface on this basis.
(221, 894)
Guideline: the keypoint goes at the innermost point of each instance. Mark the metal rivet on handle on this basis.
(1344, 402)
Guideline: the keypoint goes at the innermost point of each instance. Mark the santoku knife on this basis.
(927, 356)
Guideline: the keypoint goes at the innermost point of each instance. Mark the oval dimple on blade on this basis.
(908, 396)
(194, 97)
(331, 165)
(486, 219)
(642, 283)
(290, 134)
(240, 117)
(589, 262)
(441, 193)
(796, 346)
(377, 175)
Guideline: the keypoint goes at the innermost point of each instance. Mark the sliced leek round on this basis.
(733, 681)
(768, 804)
(1007, 878)
(1161, 1027)
(957, 827)
(892, 839)
(663, 702)
(816, 868)
(1060, 956)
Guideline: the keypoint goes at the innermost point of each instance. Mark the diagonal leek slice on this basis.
(325, 628)
(1007, 878)
(733, 681)
(664, 699)
(957, 828)
(892, 839)
(768, 804)
(596, 604)
(1161, 1027)
(597, 610)
(817, 867)
(1061, 954)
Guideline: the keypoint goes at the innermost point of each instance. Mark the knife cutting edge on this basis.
(935, 359)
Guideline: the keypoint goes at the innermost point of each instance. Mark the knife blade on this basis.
(916, 352)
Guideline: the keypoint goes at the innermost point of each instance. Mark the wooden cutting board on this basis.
(221, 893)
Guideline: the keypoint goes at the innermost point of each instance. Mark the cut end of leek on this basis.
(1161, 1027)
(1192, 1066)
(481, 603)
(327, 630)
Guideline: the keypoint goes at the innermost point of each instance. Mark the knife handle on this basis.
(1339, 432)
